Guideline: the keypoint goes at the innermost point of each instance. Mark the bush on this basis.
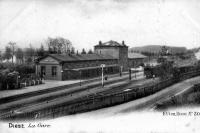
(11, 81)
(8, 78)
(194, 98)
(6, 66)
(25, 69)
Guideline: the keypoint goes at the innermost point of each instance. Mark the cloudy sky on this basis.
(85, 22)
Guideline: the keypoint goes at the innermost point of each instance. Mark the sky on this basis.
(86, 22)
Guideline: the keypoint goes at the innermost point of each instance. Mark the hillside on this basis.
(157, 49)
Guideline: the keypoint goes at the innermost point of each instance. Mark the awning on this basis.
(90, 68)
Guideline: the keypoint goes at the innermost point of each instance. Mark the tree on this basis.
(83, 51)
(1, 57)
(164, 50)
(41, 51)
(166, 66)
(12, 46)
(90, 52)
(8, 53)
(59, 45)
(73, 50)
(165, 70)
(20, 55)
(30, 54)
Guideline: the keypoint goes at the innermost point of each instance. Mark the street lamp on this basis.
(102, 66)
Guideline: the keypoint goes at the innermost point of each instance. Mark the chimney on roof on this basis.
(123, 43)
(100, 43)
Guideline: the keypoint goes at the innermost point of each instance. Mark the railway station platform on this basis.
(46, 84)
(51, 84)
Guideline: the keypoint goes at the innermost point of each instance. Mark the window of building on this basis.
(43, 70)
(54, 71)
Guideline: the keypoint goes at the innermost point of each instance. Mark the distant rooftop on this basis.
(112, 43)
(135, 56)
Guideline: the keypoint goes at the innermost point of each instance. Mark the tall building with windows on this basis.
(114, 49)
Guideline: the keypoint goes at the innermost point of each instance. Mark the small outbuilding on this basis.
(135, 59)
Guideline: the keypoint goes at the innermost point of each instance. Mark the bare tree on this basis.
(40, 51)
(12, 46)
(72, 50)
(30, 54)
(20, 55)
(8, 53)
(59, 45)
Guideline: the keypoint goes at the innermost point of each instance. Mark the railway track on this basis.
(128, 87)
(71, 100)
(73, 105)
(22, 103)
(117, 88)
(59, 88)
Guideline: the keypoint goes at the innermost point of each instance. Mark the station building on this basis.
(114, 55)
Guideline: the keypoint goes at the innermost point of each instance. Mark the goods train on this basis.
(155, 71)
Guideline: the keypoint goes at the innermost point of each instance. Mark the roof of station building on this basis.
(78, 57)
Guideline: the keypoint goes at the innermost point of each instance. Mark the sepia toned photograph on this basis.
(100, 66)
